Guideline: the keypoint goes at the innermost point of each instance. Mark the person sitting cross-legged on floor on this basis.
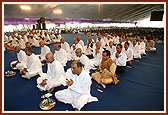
(33, 66)
(22, 59)
(54, 77)
(107, 70)
(120, 58)
(79, 85)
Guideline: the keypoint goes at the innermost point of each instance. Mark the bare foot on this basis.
(49, 91)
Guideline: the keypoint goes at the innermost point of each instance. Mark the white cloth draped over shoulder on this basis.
(121, 60)
(78, 94)
(44, 51)
(55, 76)
(61, 56)
(33, 65)
(22, 58)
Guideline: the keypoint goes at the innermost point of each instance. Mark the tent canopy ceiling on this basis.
(113, 12)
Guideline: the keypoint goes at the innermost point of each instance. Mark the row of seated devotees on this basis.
(109, 64)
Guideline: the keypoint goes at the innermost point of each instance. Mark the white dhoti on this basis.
(19, 66)
(51, 83)
(77, 100)
(94, 62)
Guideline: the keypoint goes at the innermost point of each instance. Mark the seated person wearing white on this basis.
(22, 59)
(78, 92)
(129, 52)
(89, 47)
(44, 50)
(107, 40)
(81, 43)
(99, 39)
(150, 45)
(142, 46)
(74, 47)
(83, 59)
(136, 50)
(97, 54)
(33, 65)
(54, 77)
(21, 43)
(60, 55)
(65, 46)
(111, 48)
(120, 58)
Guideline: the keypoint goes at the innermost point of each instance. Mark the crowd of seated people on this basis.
(109, 54)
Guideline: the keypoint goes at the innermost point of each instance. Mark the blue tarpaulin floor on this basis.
(141, 88)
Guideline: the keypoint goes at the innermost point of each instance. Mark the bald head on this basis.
(49, 57)
(78, 52)
(62, 40)
(17, 49)
(41, 43)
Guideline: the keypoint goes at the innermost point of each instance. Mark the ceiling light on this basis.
(58, 11)
(24, 7)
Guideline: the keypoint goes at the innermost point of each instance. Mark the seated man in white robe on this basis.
(107, 40)
(74, 47)
(79, 84)
(129, 52)
(136, 50)
(65, 46)
(120, 58)
(89, 47)
(21, 43)
(33, 65)
(44, 50)
(60, 55)
(54, 77)
(99, 39)
(142, 46)
(22, 59)
(97, 54)
(111, 47)
(81, 43)
(83, 59)
(150, 45)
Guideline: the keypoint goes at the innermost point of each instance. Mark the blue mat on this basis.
(141, 88)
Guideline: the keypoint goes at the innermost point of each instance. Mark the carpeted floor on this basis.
(141, 88)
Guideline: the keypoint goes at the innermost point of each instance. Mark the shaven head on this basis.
(78, 52)
(17, 49)
(41, 43)
(49, 57)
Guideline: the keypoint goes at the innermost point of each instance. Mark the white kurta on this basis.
(73, 54)
(112, 50)
(102, 42)
(66, 47)
(82, 44)
(85, 61)
(78, 94)
(34, 66)
(97, 58)
(44, 51)
(61, 56)
(116, 40)
(22, 44)
(136, 51)
(35, 42)
(121, 60)
(129, 53)
(55, 76)
(22, 58)
(89, 50)
(142, 47)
